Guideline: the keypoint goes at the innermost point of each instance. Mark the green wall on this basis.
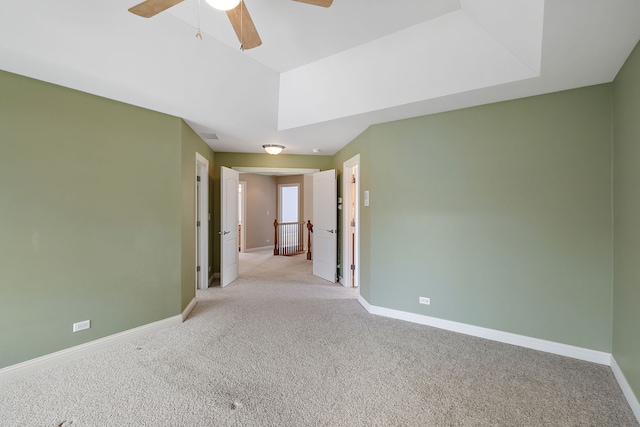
(265, 160)
(192, 144)
(626, 289)
(501, 214)
(90, 217)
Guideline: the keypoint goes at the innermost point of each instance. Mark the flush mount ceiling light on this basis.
(223, 4)
(273, 148)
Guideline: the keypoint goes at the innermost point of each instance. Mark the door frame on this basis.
(350, 167)
(202, 232)
(243, 215)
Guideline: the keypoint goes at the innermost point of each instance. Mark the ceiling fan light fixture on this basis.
(223, 4)
(273, 149)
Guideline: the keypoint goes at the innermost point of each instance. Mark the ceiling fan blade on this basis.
(150, 8)
(323, 3)
(243, 26)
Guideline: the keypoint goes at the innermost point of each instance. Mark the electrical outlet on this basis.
(424, 300)
(80, 326)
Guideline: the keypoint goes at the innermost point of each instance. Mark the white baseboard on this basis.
(260, 249)
(588, 355)
(594, 356)
(50, 360)
(626, 388)
(188, 308)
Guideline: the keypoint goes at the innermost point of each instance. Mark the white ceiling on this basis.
(322, 76)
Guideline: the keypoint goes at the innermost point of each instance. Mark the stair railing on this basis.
(288, 238)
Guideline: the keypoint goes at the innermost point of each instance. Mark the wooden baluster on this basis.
(309, 231)
(275, 237)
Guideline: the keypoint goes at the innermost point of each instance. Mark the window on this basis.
(289, 203)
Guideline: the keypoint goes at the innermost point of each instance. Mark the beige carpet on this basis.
(282, 348)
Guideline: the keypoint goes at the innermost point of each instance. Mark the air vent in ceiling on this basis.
(209, 136)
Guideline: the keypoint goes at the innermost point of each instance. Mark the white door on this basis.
(325, 229)
(229, 258)
(202, 222)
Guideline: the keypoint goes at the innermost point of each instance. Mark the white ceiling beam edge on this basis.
(451, 54)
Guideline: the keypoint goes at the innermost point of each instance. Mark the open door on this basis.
(325, 228)
(229, 258)
(202, 222)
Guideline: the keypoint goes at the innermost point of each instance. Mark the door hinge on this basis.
(198, 178)
(198, 224)
(353, 223)
(353, 179)
(353, 267)
(198, 269)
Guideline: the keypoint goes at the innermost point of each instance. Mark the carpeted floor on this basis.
(283, 348)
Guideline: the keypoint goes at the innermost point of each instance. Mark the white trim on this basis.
(364, 303)
(243, 217)
(71, 353)
(188, 308)
(348, 170)
(586, 354)
(626, 388)
(258, 170)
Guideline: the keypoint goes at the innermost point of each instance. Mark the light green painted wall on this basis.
(501, 214)
(256, 160)
(626, 289)
(192, 144)
(89, 217)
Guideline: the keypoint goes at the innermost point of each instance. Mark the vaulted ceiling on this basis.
(321, 76)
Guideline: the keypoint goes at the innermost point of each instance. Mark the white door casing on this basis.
(325, 229)
(202, 222)
(243, 216)
(229, 257)
(351, 211)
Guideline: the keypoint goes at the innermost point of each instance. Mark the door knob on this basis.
(331, 231)
(223, 233)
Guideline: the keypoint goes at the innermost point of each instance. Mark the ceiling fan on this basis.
(238, 15)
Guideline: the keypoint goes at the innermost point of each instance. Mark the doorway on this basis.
(253, 208)
(351, 223)
(242, 215)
